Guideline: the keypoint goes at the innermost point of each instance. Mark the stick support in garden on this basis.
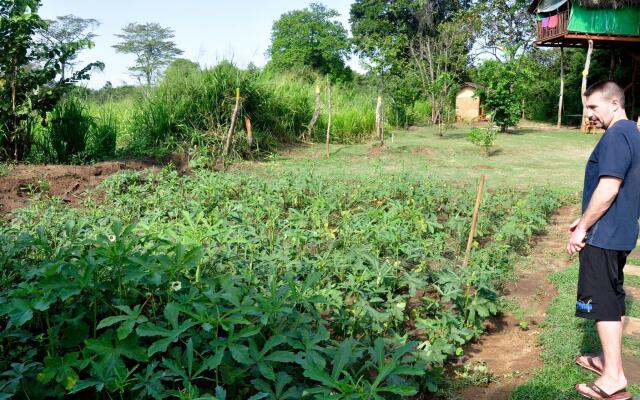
(329, 118)
(247, 124)
(474, 221)
(585, 74)
(234, 117)
(316, 114)
(379, 122)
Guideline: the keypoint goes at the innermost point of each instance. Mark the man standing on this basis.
(605, 234)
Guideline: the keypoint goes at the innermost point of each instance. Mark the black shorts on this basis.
(600, 284)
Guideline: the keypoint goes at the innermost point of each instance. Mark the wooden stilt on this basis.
(585, 74)
(561, 101)
(234, 117)
(329, 117)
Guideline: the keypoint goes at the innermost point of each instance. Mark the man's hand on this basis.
(576, 241)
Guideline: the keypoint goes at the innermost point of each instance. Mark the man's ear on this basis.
(615, 104)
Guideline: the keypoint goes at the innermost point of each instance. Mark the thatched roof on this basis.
(593, 4)
(607, 3)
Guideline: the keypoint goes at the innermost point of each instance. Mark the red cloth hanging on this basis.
(553, 21)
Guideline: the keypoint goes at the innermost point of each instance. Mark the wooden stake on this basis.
(234, 117)
(316, 113)
(585, 74)
(379, 129)
(329, 117)
(474, 221)
(247, 124)
(561, 101)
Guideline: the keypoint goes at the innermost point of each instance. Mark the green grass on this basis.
(566, 336)
(525, 159)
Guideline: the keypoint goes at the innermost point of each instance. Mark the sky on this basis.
(208, 31)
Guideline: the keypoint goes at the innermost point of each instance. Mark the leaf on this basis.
(342, 357)
(211, 362)
(281, 356)
(402, 390)
(81, 385)
(19, 312)
(266, 371)
(240, 353)
(111, 321)
(259, 396)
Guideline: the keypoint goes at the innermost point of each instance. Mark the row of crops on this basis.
(241, 287)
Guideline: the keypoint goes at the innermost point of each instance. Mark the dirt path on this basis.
(510, 352)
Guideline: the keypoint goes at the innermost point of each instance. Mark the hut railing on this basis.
(561, 28)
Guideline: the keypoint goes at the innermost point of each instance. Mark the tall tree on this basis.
(442, 58)
(383, 29)
(66, 30)
(508, 29)
(310, 37)
(152, 46)
(28, 71)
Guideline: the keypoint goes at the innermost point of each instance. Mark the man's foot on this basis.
(593, 362)
(604, 385)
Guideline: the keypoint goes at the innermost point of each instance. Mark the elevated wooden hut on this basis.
(613, 24)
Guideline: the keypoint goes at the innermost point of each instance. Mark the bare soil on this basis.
(70, 183)
(511, 351)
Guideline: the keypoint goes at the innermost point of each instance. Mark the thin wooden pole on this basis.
(379, 130)
(561, 101)
(474, 221)
(316, 113)
(234, 117)
(329, 118)
(585, 74)
(247, 124)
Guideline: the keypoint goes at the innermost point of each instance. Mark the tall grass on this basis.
(69, 128)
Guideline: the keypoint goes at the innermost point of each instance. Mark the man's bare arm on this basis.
(601, 200)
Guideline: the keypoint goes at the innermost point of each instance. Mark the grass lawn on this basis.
(521, 159)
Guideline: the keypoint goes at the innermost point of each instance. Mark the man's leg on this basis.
(610, 333)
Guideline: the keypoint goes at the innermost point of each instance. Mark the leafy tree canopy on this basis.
(152, 46)
(310, 37)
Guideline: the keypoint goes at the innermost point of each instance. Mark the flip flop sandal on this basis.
(589, 365)
(619, 395)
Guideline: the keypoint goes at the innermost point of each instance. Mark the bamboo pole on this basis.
(379, 129)
(585, 74)
(561, 101)
(329, 117)
(234, 117)
(474, 221)
(247, 124)
(316, 113)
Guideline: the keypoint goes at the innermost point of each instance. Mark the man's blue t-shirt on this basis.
(617, 154)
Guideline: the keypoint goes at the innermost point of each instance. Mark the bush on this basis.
(483, 137)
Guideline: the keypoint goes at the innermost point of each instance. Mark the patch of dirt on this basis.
(423, 150)
(510, 352)
(68, 182)
(482, 166)
(376, 151)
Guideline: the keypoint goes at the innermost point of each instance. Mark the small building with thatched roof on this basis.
(468, 107)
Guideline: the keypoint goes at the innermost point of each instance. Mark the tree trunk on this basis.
(314, 118)
(612, 65)
(585, 73)
(329, 118)
(13, 132)
(234, 116)
(561, 101)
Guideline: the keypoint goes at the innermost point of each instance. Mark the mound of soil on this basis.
(68, 182)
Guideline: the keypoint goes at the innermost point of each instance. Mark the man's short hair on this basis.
(609, 90)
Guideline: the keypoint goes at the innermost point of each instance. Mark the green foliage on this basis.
(152, 46)
(70, 125)
(483, 137)
(28, 68)
(501, 90)
(310, 37)
(240, 287)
